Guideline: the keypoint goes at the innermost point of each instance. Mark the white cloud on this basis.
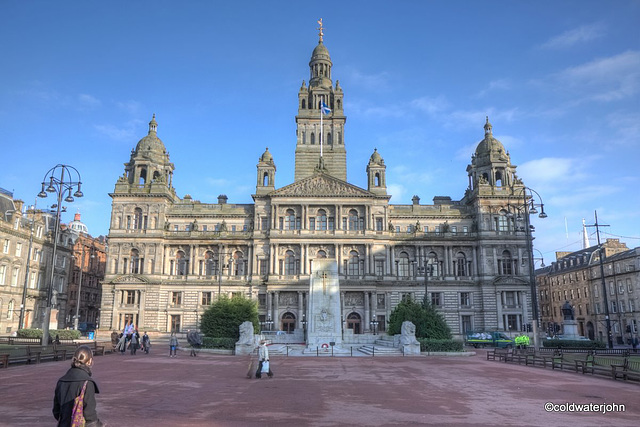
(130, 106)
(500, 84)
(604, 79)
(431, 106)
(374, 82)
(582, 34)
(88, 101)
(127, 132)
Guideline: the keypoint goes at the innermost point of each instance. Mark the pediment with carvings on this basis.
(510, 280)
(321, 185)
(130, 278)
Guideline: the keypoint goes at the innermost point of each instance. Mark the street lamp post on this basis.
(529, 207)
(374, 324)
(69, 178)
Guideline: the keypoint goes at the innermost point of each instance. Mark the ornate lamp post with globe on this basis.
(60, 179)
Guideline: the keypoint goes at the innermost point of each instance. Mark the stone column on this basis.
(367, 309)
(499, 309)
(276, 311)
(300, 310)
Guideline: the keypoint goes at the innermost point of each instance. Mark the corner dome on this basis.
(151, 142)
(376, 157)
(489, 146)
(266, 156)
(320, 52)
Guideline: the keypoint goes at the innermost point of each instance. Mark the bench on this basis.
(46, 352)
(22, 355)
(500, 354)
(629, 369)
(599, 365)
(98, 350)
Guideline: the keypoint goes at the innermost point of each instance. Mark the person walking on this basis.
(135, 342)
(146, 343)
(122, 343)
(263, 357)
(71, 385)
(173, 345)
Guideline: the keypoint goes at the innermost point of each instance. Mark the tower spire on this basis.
(320, 30)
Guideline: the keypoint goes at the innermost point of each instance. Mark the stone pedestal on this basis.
(244, 349)
(570, 330)
(411, 349)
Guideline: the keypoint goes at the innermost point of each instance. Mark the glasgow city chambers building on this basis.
(169, 258)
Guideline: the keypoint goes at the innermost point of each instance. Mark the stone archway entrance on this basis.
(288, 322)
(353, 322)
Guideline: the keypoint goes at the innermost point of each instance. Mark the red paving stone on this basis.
(211, 390)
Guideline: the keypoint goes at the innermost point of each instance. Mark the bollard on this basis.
(287, 350)
(317, 351)
(373, 352)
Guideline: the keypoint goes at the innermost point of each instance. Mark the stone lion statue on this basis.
(408, 333)
(246, 333)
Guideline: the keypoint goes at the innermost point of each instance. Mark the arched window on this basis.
(304, 137)
(238, 264)
(10, 309)
(210, 264)
(403, 265)
(290, 220)
(321, 254)
(313, 138)
(353, 322)
(339, 137)
(329, 140)
(322, 219)
(499, 179)
(353, 268)
(137, 219)
(289, 263)
(265, 179)
(181, 264)
(461, 264)
(353, 219)
(143, 176)
(156, 175)
(304, 104)
(135, 261)
(376, 179)
(505, 263)
(432, 264)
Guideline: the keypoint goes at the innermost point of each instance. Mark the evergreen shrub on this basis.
(427, 344)
(556, 343)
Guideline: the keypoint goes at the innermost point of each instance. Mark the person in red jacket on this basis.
(70, 386)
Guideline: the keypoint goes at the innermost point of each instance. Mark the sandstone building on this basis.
(170, 257)
(576, 277)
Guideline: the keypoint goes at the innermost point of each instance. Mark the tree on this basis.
(223, 318)
(429, 323)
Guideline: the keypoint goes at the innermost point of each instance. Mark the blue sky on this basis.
(559, 80)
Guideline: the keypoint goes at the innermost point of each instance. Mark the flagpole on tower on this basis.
(321, 126)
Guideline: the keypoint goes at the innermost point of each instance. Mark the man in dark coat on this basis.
(70, 386)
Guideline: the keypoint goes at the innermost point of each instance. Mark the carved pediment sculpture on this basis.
(322, 185)
(130, 278)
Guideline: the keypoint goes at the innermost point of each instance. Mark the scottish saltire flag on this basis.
(325, 109)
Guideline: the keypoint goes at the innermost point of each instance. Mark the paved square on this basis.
(211, 390)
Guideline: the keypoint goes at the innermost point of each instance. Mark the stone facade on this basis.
(170, 257)
(26, 244)
(576, 277)
(89, 261)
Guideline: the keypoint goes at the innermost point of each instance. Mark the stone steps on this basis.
(381, 350)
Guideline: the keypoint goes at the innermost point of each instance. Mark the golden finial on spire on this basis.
(320, 33)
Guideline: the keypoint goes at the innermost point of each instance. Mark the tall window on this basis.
(176, 298)
(353, 219)
(181, 263)
(18, 249)
(379, 267)
(289, 264)
(461, 264)
(136, 267)
(290, 220)
(433, 268)
(502, 223)
(210, 264)
(322, 219)
(403, 265)
(14, 276)
(130, 297)
(206, 298)
(436, 299)
(465, 299)
(379, 224)
(354, 264)
(137, 219)
(3, 274)
(238, 264)
(505, 264)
